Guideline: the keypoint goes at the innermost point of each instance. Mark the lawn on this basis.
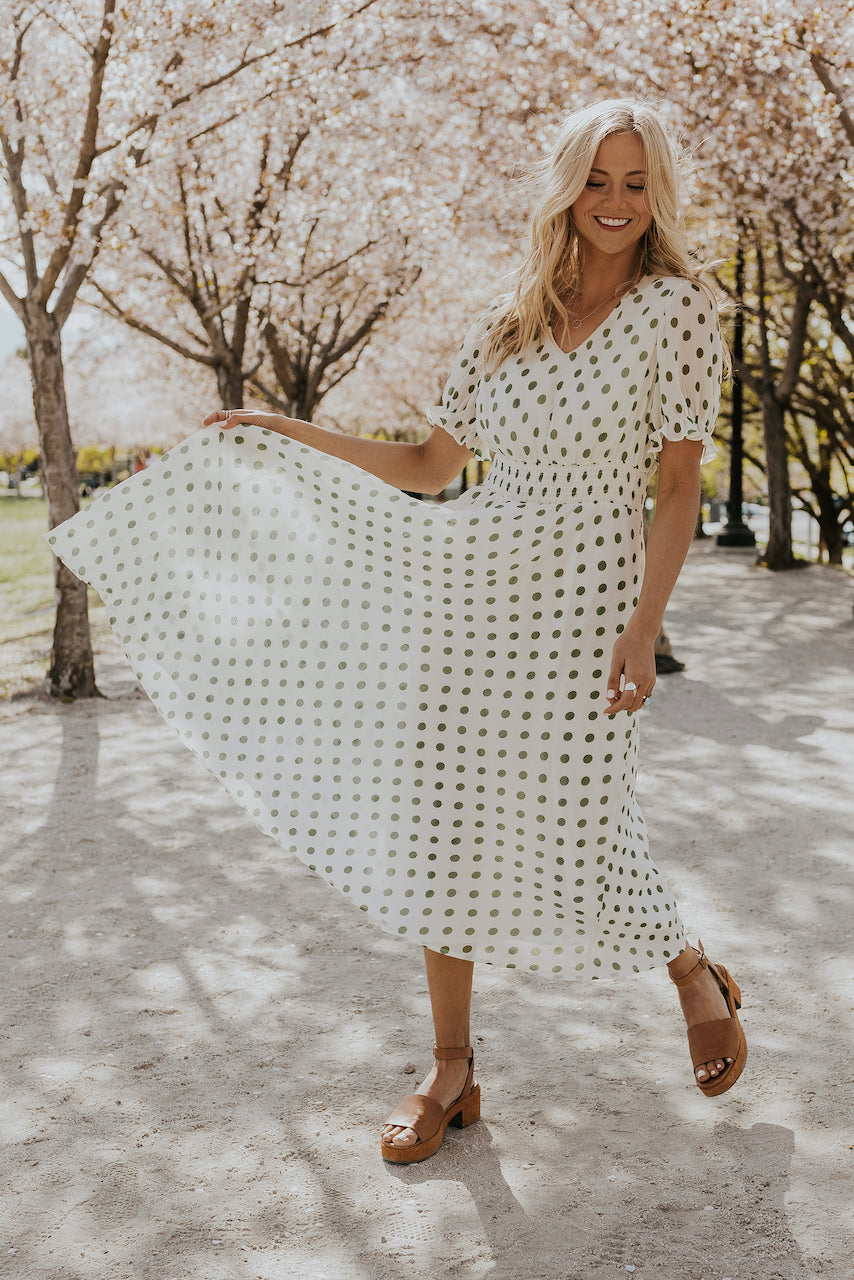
(26, 594)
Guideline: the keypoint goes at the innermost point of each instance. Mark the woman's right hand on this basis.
(225, 419)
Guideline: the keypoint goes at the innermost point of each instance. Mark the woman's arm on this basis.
(676, 505)
(419, 468)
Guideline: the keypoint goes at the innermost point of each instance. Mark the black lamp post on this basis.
(735, 532)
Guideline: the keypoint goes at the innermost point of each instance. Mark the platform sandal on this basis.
(723, 1037)
(428, 1119)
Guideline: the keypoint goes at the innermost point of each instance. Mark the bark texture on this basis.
(778, 553)
(71, 673)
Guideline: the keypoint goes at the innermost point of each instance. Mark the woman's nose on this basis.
(614, 199)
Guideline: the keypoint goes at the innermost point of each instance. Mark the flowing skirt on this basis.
(407, 695)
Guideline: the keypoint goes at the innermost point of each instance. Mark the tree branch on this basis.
(14, 157)
(797, 340)
(150, 121)
(86, 154)
(11, 297)
(78, 271)
(116, 309)
(767, 367)
(305, 281)
(821, 69)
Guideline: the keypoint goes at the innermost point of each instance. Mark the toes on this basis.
(394, 1136)
(713, 1069)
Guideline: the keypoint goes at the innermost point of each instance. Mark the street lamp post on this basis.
(735, 532)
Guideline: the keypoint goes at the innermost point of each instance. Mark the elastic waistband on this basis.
(557, 482)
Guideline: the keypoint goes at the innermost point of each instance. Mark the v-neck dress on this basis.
(407, 695)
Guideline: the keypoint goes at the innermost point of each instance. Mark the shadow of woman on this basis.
(748, 1232)
(471, 1160)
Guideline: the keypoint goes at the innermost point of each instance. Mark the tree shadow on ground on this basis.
(203, 1039)
(211, 1077)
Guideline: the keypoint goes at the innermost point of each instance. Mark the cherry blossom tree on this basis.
(85, 90)
(277, 283)
(280, 277)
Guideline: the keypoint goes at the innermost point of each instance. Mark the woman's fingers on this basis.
(226, 418)
(629, 695)
(615, 678)
(631, 675)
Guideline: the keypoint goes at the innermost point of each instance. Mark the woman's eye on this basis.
(595, 185)
(640, 188)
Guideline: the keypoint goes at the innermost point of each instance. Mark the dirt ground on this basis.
(201, 1038)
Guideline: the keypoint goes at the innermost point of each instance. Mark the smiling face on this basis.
(611, 214)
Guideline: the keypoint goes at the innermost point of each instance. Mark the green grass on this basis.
(26, 576)
(26, 594)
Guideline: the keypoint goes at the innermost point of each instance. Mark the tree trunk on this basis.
(71, 673)
(230, 384)
(830, 530)
(778, 553)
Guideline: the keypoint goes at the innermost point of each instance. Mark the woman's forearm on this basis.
(631, 676)
(397, 463)
(667, 546)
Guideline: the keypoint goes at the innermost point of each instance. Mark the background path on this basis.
(201, 1039)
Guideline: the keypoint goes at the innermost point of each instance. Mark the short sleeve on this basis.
(457, 414)
(687, 393)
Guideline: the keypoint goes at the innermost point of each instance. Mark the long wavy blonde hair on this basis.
(549, 278)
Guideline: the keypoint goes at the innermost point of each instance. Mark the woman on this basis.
(434, 705)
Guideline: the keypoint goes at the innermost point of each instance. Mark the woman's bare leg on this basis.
(449, 981)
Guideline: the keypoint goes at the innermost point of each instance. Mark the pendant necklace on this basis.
(576, 324)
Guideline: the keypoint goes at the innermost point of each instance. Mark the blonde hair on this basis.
(550, 275)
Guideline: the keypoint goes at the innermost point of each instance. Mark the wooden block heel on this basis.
(469, 1110)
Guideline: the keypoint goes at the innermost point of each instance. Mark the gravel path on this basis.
(201, 1038)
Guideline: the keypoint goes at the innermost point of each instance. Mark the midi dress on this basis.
(409, 695)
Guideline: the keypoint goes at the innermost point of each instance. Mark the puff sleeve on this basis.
(458, 414)
(687, 393)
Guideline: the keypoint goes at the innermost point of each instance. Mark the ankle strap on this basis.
(448, 1055)
(701, 963)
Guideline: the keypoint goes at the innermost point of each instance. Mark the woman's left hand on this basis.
(631, 678)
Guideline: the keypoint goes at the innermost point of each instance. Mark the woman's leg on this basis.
(701, 1001)
(449, 981)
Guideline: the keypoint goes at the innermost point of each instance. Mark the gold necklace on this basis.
(576, 324)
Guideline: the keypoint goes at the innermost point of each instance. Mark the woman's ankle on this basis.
(680, 966)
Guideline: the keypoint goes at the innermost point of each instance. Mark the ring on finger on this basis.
(630, 687)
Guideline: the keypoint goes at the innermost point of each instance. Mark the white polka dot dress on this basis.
(409, 695)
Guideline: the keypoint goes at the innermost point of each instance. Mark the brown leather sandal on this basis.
(428, 1119)
(723, 1037)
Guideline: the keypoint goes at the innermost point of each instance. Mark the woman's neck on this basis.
(606, 276)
